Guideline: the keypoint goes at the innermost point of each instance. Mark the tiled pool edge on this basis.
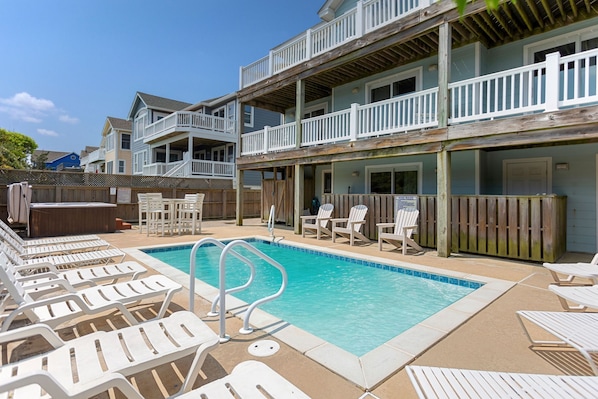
(373, 368)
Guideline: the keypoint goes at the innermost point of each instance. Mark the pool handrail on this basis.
(246, 329)
(271, 222)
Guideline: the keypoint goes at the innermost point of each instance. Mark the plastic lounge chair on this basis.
(572, 270)
(89, 365)
(45, 278)
(319, 222)
(50, 249)
(583, 296)
(437, 382)
(403, 228)
(47, 241)
(87, 258)
(250, 379)
(190, 212)
(576, 330)
(55, 310)
(352, 224)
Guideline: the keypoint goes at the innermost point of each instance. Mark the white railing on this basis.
(212, 168)
(365, 17)
(329, 128)
(547, 86)
(94, 156)
(193, 168)
(398, 114)
(184, 120)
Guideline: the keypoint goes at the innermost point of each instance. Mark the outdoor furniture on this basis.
(190, 212)
(46, 241)
(318, 223)
(86, 366)
(576, 330)
(353, 224)
(56, 310)
(142, 202)
(437, 382)
(584, 296)
(572, 270)
(87, 258)
(249, 379)
(404, 226)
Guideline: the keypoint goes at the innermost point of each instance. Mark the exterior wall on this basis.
(261, 118)
(67, 161)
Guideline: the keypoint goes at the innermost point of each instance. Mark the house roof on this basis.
(328, 11)
(157, 103)
(120, 124)
(88, 150)
(211, 102)
(51, 156)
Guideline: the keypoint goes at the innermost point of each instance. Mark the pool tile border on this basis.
(374, 367)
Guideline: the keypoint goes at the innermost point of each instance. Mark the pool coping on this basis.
(373, 368)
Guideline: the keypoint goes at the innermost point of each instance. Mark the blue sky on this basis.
(68, 64)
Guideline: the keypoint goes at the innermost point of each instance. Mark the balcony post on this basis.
(359, 21)
(443, 203)
(270, 63)
(552, 83)
(444, 72)
(241, 77)
(308, 40)
(299, 107)
(353, 122)
(266, 140)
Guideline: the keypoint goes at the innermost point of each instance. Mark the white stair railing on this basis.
(221, 297)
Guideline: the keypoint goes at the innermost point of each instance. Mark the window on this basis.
(315, 110)
(576, 42)
(395, 179)
(121, 166)
(109, 167)
(110, 142)
(327, 181)
(219, 112)
(139, 125)
(125, 141)
(248, 115)
(397, 85)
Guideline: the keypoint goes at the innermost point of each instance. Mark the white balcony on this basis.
(202, 125)
(557, 83)
(367, 16)
(193, 168)
(98, 155)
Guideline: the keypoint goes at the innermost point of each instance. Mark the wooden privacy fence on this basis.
(518, 227)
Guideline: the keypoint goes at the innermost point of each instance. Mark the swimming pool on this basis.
(384, 300)
(373, 367)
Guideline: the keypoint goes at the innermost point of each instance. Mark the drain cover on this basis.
(263, 348)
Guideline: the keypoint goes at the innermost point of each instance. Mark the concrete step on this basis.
(121, 225)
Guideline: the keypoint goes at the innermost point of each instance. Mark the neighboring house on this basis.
(93, 159)
(173, 138)
(387, 97)
(55, 160)
(116, 141)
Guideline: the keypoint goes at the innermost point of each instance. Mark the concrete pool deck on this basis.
(492, 339)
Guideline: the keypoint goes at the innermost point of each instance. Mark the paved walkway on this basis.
(490, 340)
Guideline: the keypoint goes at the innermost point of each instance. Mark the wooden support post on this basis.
(444, 72)
(443, 203)
(299, 108)
(298, 197)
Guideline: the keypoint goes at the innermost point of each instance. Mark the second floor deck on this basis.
(201, 125)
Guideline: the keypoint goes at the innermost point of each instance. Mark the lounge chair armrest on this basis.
(37, 265)
(308, 217)
(352, 222)
(414, 228)
(338, 221)
(32, 330)
(324, 219)
(384, 226)
(55, 281)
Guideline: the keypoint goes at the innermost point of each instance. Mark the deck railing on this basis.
(557, 83)
(194, 168)
(365, 17)
(185, 120)
(531, 228)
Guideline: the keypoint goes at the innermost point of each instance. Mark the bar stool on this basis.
(190, 212)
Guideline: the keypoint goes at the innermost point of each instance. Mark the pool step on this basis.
(121, 225)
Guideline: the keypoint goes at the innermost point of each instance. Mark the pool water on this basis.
(354, 304)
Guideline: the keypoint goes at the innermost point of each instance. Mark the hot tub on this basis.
(68, 218)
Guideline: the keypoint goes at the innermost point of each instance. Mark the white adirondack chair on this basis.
(352, 225)
(318, 223)
(404, 226)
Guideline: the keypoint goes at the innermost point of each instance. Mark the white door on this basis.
(527, 176)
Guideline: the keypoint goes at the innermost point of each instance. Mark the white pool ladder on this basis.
(221, 297)
(271, 222)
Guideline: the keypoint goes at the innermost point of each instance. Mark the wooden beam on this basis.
(444, 73)
(443, 203)
(485, 28)
(532, 6)
(507, 10)
(562, 9)
(496, 29)
(548, 11)
(573, 8)
(523, 15)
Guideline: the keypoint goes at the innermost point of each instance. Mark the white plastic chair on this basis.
(404, 226)
(157, 215)
(142, 199)
(319, 222)
(353, 224)
(190, 212)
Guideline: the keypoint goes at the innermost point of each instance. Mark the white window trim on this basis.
(110, 142)
(577, 37)
(124, 163)
(374, 84)
(397, 167)
(252, 118)
(140, 118)
(130, 142)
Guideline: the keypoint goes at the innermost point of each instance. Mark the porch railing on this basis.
(365, 17)
(531, 228)
(184, 120)
(193, 168)
(557, 83)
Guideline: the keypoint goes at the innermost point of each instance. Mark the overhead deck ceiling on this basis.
(412, 38)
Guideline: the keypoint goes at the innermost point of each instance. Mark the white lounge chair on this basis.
(52, 249)
(582, 296)
(250, 379)
(572, 270)
(404, 226)
(45, 278)
(577, 330)
(77, 259)
(46, 241)
(55, 310)
(437, 382)
(318, 223)
(353, 224)
(89, 365)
